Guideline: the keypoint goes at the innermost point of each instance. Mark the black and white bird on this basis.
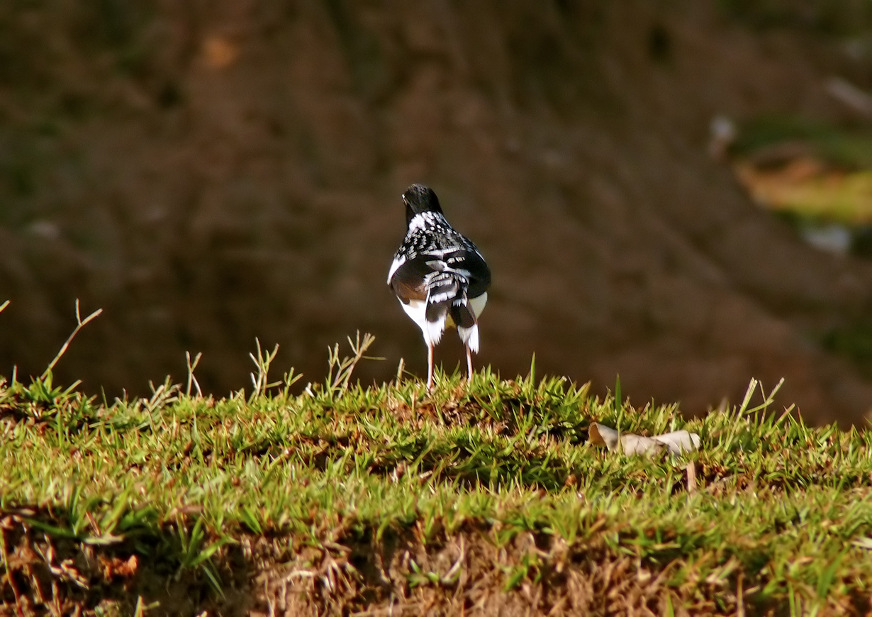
(438, 275)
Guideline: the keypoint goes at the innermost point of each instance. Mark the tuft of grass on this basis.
(352, 497)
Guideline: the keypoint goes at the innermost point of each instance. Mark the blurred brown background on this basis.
(211, 172)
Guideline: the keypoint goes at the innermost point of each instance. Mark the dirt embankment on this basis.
(209, 175)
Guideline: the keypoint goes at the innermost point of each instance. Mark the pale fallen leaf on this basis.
(679, 441)
(602, 435)
(637, 444)
(629, 443)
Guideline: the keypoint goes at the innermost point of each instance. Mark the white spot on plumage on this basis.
(399, 260)
(469, 336)
(433, 330)
(427, 220)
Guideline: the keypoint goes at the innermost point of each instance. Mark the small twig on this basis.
(262, 361)
(400, 368)
(191, 379)
(340, 370)
(768, 399)
(80, 323)
(359, 348)
(691, 477)
(161, 395)
(455, 569)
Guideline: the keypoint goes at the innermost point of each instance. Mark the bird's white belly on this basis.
(415, 309)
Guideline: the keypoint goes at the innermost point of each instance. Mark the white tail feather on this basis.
(433, 330)
(469, 336)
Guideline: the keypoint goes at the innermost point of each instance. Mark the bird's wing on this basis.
(408, 278)
(467, 261)
(437, 248)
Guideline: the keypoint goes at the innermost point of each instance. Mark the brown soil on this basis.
(212, 174)
(465, 573)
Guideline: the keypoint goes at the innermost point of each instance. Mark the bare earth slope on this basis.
(212, 174)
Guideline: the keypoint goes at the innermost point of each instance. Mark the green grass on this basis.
(490, 490)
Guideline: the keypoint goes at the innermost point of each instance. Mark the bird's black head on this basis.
(419, 198)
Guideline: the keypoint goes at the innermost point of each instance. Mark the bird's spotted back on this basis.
(429, 233)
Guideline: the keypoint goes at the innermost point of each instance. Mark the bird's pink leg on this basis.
(469, 363)
(429, 368)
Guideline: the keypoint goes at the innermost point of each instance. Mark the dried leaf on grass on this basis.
(629, 443)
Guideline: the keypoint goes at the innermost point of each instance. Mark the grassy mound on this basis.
(481, 498)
